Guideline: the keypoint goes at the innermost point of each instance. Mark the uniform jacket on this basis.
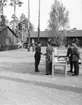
(69, 53)
(49, 51)
(76, 54)
(38, 51)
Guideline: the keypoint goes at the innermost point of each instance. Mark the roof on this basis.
(12, 31)
(46, 34)
(34, 34)
(76, 33)
(4, 27)
(1, 28)
(54, 34)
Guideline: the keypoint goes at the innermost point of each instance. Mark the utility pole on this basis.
(14, 13)
(39, 22)
(28, 25)
(1, 7)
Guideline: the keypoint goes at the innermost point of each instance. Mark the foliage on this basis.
(24, 24)
(5, 3)
(58, 17)
(58, 21)
(2, 5)
(14, 21)
(16, 2)
(3, 20)
(8, 47)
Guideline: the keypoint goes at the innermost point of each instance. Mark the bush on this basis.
(8, 47)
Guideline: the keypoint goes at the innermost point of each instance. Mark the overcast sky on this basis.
(73, 6)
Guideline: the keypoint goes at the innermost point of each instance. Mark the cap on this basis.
(73, 41)
(38, 42)
(48, 42)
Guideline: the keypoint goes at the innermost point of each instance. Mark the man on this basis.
(69, 56)
(49, 51)
(75, 58)
(37, 56)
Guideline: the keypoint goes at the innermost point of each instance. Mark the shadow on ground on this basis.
(49, 85)
(28, 68)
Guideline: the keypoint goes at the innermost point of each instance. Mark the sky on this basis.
(73, 6)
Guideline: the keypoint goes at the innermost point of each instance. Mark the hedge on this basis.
(8, 47)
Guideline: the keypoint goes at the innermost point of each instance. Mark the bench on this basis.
(57, 62)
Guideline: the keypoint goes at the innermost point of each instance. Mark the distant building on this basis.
(74, 34)
(34, 36)
(45, 35)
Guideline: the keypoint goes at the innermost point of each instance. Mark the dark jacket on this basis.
(76, 54)
(38, 51)
(69, 53)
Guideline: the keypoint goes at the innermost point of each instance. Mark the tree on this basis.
(24, 23)
(3, 3)
(14, 22)
(58, 18)
(2, 23)
(23, 26)
(15, 3)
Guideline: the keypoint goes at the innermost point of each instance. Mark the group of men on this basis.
(48, 55)
(73, 55)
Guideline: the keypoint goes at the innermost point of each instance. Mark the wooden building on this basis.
(44, 35)
(7, 36)
(70, 35)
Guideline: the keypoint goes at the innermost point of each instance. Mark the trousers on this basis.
(37, 61)
(48, 67)
(76, 67)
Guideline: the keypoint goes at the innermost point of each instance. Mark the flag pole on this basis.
(28, 25)
(39, 22)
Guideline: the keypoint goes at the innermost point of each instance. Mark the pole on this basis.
(39, 22)
(2, 7)
(14, 18)
(22, 30)
(14, 13)
(28, 25)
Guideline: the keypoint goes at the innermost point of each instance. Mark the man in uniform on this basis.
(37, 56)
(69, 56)
(75, 58)
(49, 51)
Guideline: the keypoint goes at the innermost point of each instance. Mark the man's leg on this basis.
(71, 66)
(36, 64)
(76, 68)
(50, 68)
(47, 67)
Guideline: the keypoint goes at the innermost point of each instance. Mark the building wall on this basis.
(42, 40)
(3, 36)
(79, 39)
(12, 38)
(7, 37)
